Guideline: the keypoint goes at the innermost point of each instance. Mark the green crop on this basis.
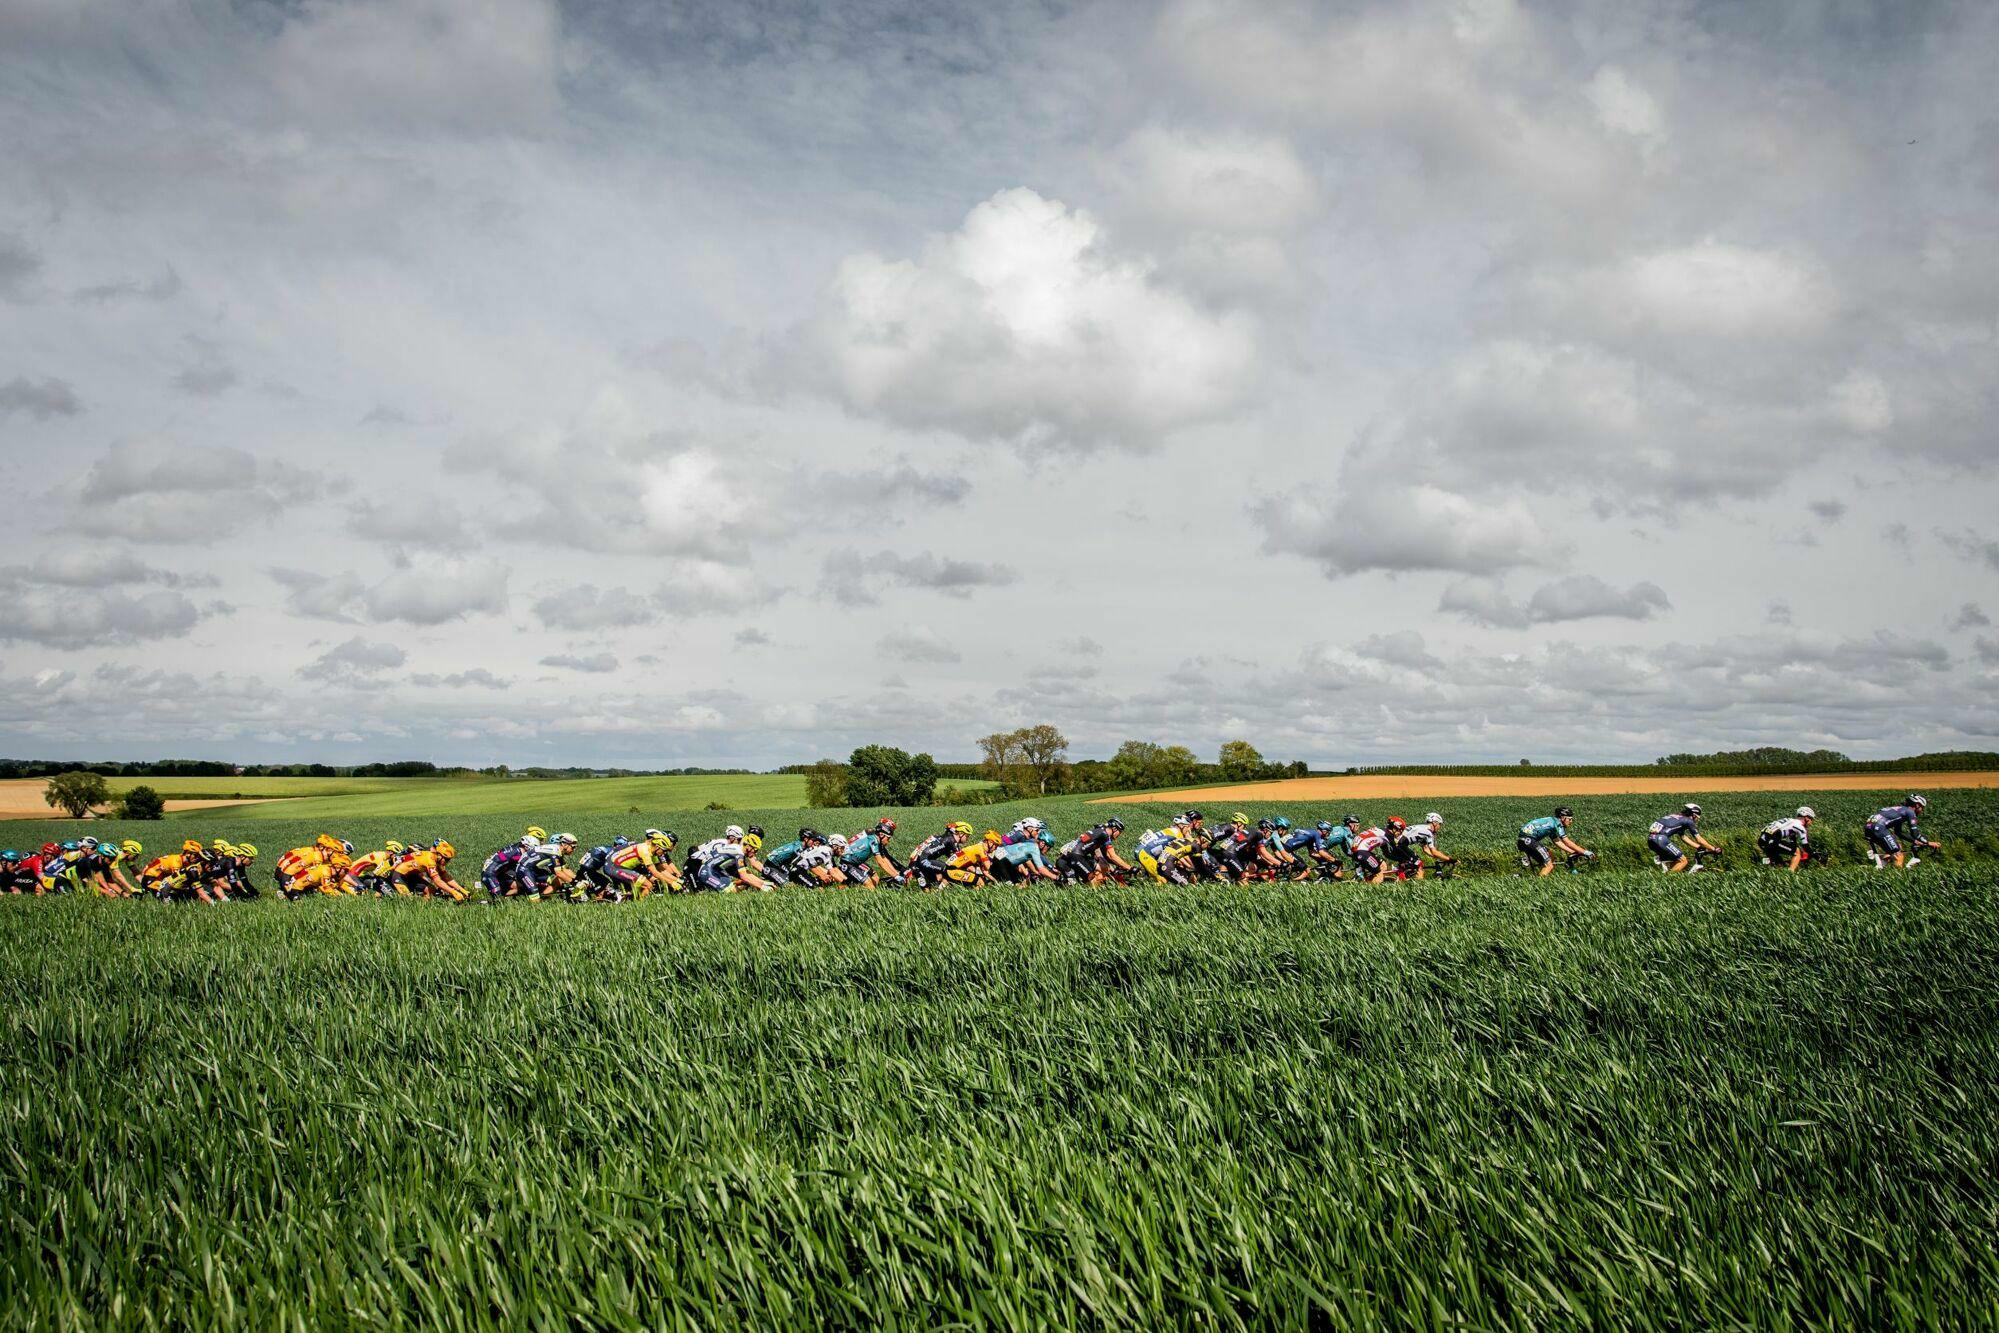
(1616, 1099)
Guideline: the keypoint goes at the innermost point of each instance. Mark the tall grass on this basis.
(1751, 1099)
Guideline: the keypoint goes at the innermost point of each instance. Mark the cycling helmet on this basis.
(992, 837)
(1691, 808)
(1030, 823)
(537, 832)
(447, 851)
(1396, 823)
(1239, 818)
(50, 849)
(961, 828)
(565, 839)
(88, 842)
(756, 829)
(1114, 824)
(1351, 821)
(73, 847)
(885, 826)
(1325, 826)
(733, 831)
(131, 847)
(836, 840)
(346, 848)
(1281, 822)
(655, 833)
(394, 848)
(529, 841)
(1194, 816)
(621, 842)
(1179, 821)
(752, 842)
(1917, 801)
(1433, 818)
(10, 855)
(220, 844)
(1265, 826)
(248, 849)
(669, 839)
(1563, 812)
(1806, 812)
(189, 846)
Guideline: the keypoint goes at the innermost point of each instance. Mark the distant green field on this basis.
(605, 796)
(222, 789)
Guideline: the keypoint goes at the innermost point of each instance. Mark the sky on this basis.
(664, 384)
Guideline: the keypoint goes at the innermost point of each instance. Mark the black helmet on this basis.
(757, 829)
(808, 834)
(1265, 825)
(1114, 823)
(1352, 821)
(1193, 815)
(1563, 812)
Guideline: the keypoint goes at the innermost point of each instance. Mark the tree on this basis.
(142, 802)
(1141, 765)
(76, 792)
(1240, 761)
(883, 775)
(825, 784)
(1044, 751)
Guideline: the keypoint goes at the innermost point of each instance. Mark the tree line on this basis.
(1029, 762)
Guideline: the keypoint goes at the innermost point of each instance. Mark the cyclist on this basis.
(867, 851)
(734, 868)
(1787, 841)
(641, 866)
(1018, 862)
(1274, 843)
(1028, 830)
(730, 835)
(1550, 828)
(1685, 824)
(973, 863)
(1088, 856)
(930, 864)
(1416, 842)
(541, 872)
(374, 872)
(500, 875)
(15, 874)
(1887, 827)
(782, 865)
(1312, 848)
(429, 869)
(1227, 851)
(1369, 849)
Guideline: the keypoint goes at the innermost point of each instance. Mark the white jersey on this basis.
(1420, 835)
(1369, 840)
(1788, 829)
(811, 857)
(710, 848)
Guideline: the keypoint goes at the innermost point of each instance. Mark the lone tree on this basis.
(1239, 761)
(76, 792)
(826, 784)
(142, 803)
(884, 775)
(1032, 761)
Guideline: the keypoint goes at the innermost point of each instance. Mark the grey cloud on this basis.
(381, 414)
(20, 266)
(1970, 616)
(163, 288)
(1483, 602)
(903, 480)
(1583, 596)
(358, 662)
(1972, 546)
(40, 399)
(1081, 646)
(1987, 651)
(427, 591)
(918, 643)
(458, 680)
(585, 607)
(1777, 613)
(593, 664)
(1829, 510)
(1430, 528)
(83, 618)
(96, 566)
(208, 374)
(1404, 648)
(752, 637)
(411, 522)
(158, 492)
(851, 576)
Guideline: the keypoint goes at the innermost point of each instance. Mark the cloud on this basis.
(752, 637)
(1404, 648)
(357, 663)
(1970, 616)
(97, 567)
(1972, 546)
(919, 643)
(1080, 646)
(209, 373)
(1777, 613)
(19, 268)
(163, 288)
(593, 664)
(696, 587)
(852, 577)
(1584, 596)
(152, 491)
(1829, 510)
(1427, 528)
(71, 618)
(429, 590)
(40, 399)
(458, 680)
(1026, 326)
(411, 522)
(902, 480)
(1483, 601)
(585, 607)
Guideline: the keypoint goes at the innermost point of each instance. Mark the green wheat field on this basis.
(1744, 1099)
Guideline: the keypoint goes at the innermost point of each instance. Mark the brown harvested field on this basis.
(21, 798)
(1383, 786)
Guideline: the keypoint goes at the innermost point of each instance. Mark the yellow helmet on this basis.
(394, 848)
(992, 838)
(751, 842)
(247, 849)
(538, 834)
(1239, 818)
(445, 850)
(190, 846)
(130, 847)
(220, 844)
(329, 842)
(961, 828)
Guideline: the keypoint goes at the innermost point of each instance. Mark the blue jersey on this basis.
(537, 868)
(1902, 817)
(784, 854)
(1309, 839)
(1544, 829)
(594, 859)
(859, 849)
(1672, 826)
(1341, 838)
(1020, 853)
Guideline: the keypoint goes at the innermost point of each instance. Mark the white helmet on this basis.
(836, 840)
(1433, 818)
(653, 833)
(1806, 812)
(529, 841)
(565, 840)
(1179, 821)
(733, 831)
(1031, 822)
